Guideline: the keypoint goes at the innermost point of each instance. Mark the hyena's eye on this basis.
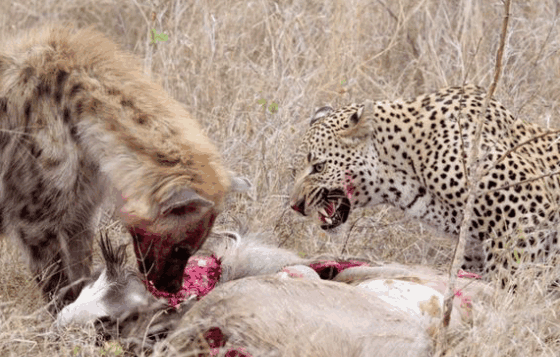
(319, 167)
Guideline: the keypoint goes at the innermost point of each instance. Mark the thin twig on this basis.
(475, 170)
(459, 117)
(348, 236)
(519, 183)
(516, 147)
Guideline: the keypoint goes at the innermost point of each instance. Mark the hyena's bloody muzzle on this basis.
(163, 244)
(163, 257)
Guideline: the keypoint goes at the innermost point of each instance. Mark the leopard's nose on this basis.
(299, 206)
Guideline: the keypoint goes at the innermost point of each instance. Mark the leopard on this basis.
(81, 123)
(413, 154)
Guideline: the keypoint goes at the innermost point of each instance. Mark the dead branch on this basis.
(459, 117)
(519, 183)
(475, 170)
(515, 148)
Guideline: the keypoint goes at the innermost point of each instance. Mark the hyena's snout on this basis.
(162, 256)
(172, 278)
(163, 244)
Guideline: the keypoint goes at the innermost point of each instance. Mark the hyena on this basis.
(80, 121)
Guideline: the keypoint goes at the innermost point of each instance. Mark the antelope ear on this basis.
(239, 183)
(114, 258)
(320, 113)
(186, 202)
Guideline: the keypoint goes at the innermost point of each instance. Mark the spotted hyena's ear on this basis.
(186, 202)
(320, 113)
(359, 126)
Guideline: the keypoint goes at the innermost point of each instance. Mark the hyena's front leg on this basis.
(58, 258)
(48, 211)
(76, 248)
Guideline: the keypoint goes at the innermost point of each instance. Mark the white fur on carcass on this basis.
(405, 295)
(111, 291)
(92, 303)
(419, 290)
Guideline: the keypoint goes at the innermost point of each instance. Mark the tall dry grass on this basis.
(222, 57)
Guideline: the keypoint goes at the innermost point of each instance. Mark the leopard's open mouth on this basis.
(335, 209)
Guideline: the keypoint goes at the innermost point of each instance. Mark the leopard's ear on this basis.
(320, 113)
(359, 125)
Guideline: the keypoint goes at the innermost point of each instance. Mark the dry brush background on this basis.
(223, 57)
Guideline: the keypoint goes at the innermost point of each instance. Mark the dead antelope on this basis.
(114, 287)
(277, 316)
(387, 310)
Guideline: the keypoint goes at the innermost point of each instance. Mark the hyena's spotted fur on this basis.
(78, 120)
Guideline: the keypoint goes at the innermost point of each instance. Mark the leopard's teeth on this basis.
(328, 220)
(323, 212)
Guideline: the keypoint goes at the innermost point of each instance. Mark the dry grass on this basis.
(222, 57)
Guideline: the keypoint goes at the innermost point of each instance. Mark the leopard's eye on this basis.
(319, 167)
